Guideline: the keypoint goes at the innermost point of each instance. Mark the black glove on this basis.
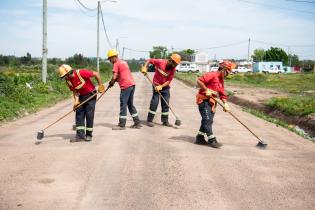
(111, 83)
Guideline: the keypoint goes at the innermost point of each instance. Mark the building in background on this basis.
(264, 66)
(201, 59)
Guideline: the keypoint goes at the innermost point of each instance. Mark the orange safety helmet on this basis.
(176, 58)
(227, 65)
(64, 69)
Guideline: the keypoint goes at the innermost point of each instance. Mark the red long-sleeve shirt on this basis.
(81, 82)
(213, 81)
(162, 74)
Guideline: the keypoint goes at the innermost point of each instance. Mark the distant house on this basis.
(261, 66)
(201, 59)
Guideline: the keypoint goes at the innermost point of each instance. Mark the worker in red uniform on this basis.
(164, 74)
(211, 85)
(79, 82)
(122, 74)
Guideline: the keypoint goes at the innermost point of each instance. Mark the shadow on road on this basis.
(190, 139)
(107, 125)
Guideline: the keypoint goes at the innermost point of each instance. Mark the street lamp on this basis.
(117, 42)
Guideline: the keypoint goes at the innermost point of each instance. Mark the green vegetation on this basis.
(293, 105)
(300, 84)
(22, 92)
(300, 89)
(279, 123)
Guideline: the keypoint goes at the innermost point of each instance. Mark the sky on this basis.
(221, 28)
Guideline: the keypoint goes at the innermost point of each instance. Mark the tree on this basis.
(258, 55)
(26, 59)
(187, 55)
(276, 54)
(294, 60)
(159, 52)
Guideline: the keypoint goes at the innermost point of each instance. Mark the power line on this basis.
(222, 46)
(87, 8)
(285, 45)
(311, 2)
(136, 50)
(107, 38)
(83, 11)
(283, 8)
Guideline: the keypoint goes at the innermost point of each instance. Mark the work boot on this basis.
(200, 140)
(118, 127)
(167, 124)
(150, 124)
(136, 126)
(78, 138)
(88, 138)
(214, 143)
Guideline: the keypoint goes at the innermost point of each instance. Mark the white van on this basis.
(187, 67)
(273, 70)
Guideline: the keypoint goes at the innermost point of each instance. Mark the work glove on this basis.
(111, 83)
(226, 107)
(158, 87)
(101, 88)
(144, 70)
(76, 104)
(210, 92)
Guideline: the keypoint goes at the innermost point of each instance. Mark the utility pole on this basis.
(44, 53)
(248, 50)
(117, 44)
(122, 54)
(98, 37)
(289, 56)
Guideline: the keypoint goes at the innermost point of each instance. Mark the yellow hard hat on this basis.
(176, 58)
(112, 53)
(64, 69)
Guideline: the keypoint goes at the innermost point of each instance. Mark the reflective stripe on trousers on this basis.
(84, 116)
(165, 92)
(126, 100)
(206, 118)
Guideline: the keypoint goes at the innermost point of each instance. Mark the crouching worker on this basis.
(122, 74)
(79, 82)
(164, 73)
(211, 86)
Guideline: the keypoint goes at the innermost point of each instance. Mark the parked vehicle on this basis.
(242, 69)
(187, 67)
(273, 70)
(214, 68)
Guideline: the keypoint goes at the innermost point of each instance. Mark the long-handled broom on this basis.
(261, 144)
(40, 134)
(178, 121)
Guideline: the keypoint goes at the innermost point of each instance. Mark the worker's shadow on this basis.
(144, 122)
(56, 137)
(186, 138)
(107, 125)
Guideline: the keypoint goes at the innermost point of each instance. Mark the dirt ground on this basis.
(153, 168)
(254, 98)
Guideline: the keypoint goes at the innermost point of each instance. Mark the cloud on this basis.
(177, 24)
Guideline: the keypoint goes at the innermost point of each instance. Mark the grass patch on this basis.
(298, 105)
(299, 84)
(281, 123)
(17, 99)
(299, 87)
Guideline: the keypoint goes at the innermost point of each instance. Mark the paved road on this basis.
(153, 168)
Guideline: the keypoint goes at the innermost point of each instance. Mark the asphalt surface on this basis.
(153, 168)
